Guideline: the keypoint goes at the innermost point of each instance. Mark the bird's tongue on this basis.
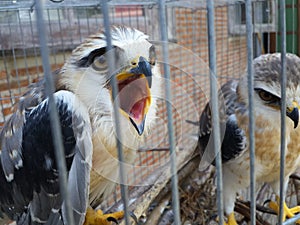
(137, 111)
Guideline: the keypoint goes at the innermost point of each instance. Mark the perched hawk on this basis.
(234, 121)
(29, 185)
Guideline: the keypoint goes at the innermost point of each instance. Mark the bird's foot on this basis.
(287, 212)
(231, 220)
(93, 217)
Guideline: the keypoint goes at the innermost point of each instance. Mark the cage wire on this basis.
(179, 30)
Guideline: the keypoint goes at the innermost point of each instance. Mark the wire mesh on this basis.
(68, 23)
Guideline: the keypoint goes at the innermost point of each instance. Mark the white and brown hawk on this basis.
(235, 124)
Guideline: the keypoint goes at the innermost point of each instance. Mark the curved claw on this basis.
(133, 216)
(267, 202)
(112, 219)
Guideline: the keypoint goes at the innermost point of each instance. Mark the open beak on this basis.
(293, 113)
(134, 92)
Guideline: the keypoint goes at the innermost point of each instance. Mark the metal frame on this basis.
(214, 96)
(235, 28)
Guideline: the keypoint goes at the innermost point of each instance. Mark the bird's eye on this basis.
(267, 96)
(100, 63)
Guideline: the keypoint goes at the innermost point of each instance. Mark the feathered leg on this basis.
(229, 196)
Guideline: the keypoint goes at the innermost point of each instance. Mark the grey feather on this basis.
(79, 175)
(11, 134)
(228, 104)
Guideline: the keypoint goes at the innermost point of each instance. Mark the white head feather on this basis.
(93, 89)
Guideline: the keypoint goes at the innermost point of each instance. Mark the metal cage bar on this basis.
(215, 106)
(111, 66)
(249, 30)
(283, 109)
(55, 124)
(174, 178)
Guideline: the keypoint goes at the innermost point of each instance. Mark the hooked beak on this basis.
(134, 92)
(139, 127)
(293, 113)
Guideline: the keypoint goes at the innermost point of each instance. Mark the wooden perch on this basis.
(243, 208)
(151, 204)
(141, 197)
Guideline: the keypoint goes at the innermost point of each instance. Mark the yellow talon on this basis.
(231, 220)
(93, 217)
(287, 212)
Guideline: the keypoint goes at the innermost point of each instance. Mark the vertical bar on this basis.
(145, 19)
(111, 66)
(297, 51)
(61, 34)
(130, 19)
(276, 32)
(14, 57)
(79, 25)
(293, 27)
(269, 6)
(215, 105)
(113, 16)
(174, 178)
(96, 18)
(87, 20)
(7, 76)
(55, 125)
(69, 13)
(51, 35)
(2, 115)
(283, 108)
(137, 16)
(122, 17)
(23, 47)
(34, 46)
(249, 31)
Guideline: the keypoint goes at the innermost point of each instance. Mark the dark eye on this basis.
(152, 55)
(100, 63)
(267, 96)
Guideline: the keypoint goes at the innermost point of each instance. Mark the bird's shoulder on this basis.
(232, 136)
(11, 135)
(227, 104)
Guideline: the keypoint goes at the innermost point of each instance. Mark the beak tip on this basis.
(139, 127)
(140, 132)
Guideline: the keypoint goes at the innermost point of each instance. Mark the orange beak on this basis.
(134, 93)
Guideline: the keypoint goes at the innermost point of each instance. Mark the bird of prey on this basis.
(29, 190)
(234, 124)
